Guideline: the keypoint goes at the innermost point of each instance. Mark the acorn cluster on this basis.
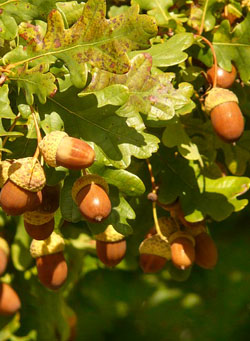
(25, 192)
(222, 106)
(184, 244)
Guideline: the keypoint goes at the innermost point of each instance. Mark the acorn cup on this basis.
(110, 246)
(182, 249)
(22, 191)
(90, 193)
(50, 262)
(59, 149)
(38, 225)
(225, 79)
(4, 169)
(226, 117)
(4, 255)
(9, 300)
(154, 253)
(206, 254)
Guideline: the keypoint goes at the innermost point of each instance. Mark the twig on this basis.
(214, 57)
(38, 134)
(203, 18)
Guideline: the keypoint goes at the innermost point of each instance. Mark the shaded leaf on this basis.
(199, 195)
(69, 209)
(5, 108)
(20, 254)
(103, 127)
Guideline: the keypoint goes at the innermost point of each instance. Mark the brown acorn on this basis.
(154, 253)
(90, 194)
(182, 249)
(226, 116)
(22, 191)
(206, 254)
(15, 200)
(4, 255)
(110, 246)
(225, 79)
(9, 300)
(50, 262)
(59, 149)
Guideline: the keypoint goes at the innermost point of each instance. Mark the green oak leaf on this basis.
(152, 95)
(159, 10)
(175, 135)
(8, 27)
(170, 52)
(92, 39)
(234, 46)
(71, 11)
(110, 132)
(5, 108)
(36, 80)
(52, 122)
(200, 196)
(121, 211)
(127, 183)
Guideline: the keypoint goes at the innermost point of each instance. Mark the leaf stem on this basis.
(203, 18)
(38, 133)
(214, 57)
(154, 191)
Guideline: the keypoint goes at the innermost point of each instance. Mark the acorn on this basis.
(226, 116)
(9, 300)
(225, 79)
(50, 262)
(39, 225)
(154, 253)
(90, 193)
(182, 249)
(59, 149)
(51, 198)
(110, 246)
(22, 190)
(206, 254)
(4, 255)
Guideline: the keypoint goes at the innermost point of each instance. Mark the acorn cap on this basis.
(155, 246)
(28, 174)
(87, 180)
(196, 229)
(49, 144)
(181, 234)
(53, 244)
(4, 168)
(217, 96)
(109, 235)
(167, 226)
(37, 218)
(4, 246)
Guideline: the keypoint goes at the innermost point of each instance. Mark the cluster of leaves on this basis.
(128, 79)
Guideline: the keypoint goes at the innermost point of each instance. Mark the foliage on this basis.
(128, 78)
